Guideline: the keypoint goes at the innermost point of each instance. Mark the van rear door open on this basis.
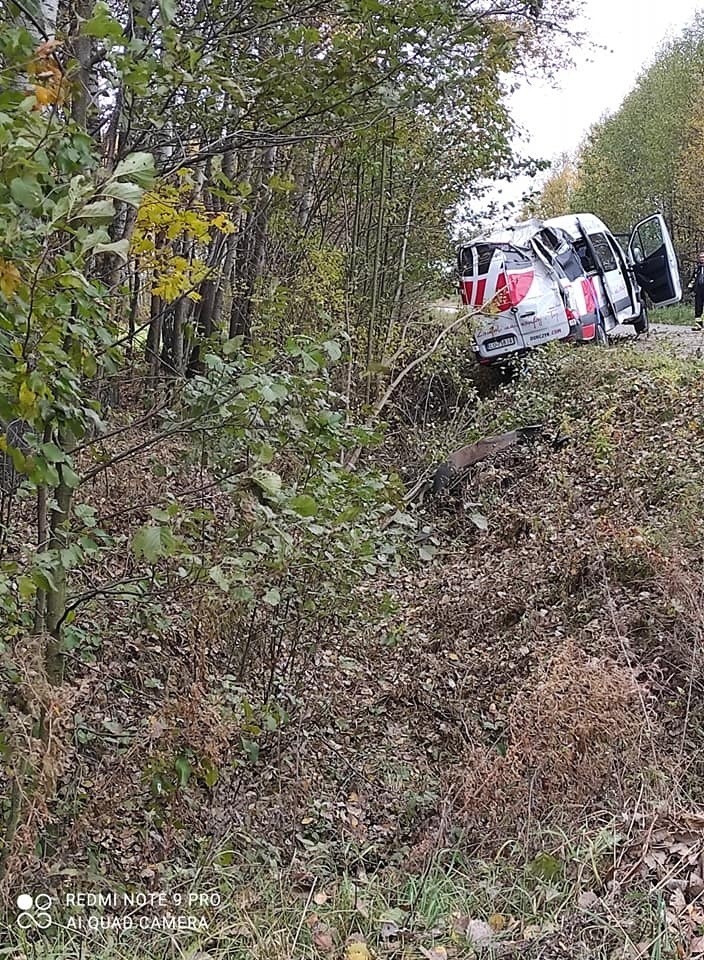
(654, 261)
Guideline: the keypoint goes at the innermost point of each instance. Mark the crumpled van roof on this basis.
(520, 234)
(571, 222)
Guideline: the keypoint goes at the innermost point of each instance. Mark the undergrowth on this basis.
(487, 764)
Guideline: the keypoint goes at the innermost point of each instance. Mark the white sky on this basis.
(555, 119)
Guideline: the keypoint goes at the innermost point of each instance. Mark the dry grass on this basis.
(573, 740)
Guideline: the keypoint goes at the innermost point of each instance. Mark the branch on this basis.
(414, 363)
(354, 457)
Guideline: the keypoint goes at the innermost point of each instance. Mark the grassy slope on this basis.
(510, 744)
(680, 314)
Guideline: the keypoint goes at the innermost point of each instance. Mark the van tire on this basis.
(642, 323)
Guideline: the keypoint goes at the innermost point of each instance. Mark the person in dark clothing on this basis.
(697, 284)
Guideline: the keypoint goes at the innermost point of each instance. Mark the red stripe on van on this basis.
(589, 295)
(519, 284)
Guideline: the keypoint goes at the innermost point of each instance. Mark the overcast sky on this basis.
(556, 118)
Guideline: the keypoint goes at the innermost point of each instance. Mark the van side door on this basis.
(613, 276)
(654, 261)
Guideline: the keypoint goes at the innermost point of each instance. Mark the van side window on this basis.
(485, 252)
(603, 251)
(649, 239)
(513, 258)
(584, 255)
(569, 262)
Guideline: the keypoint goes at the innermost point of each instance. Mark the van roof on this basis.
(520, 234)
(571, 221)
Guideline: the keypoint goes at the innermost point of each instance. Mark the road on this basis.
(684, 340)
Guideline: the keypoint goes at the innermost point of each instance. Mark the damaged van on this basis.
(566, 278)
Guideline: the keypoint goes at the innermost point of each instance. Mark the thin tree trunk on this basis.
(376, 273)
(400, 273)
(56, 595)
(242, 312)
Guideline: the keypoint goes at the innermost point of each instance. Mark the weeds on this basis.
(485, 756)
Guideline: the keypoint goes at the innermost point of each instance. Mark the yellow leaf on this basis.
(10, 278)
(435, 953)
(44, 95)
(27, 399)
(223, 223)
(356, 949)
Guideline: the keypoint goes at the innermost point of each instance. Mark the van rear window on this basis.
(513, 257)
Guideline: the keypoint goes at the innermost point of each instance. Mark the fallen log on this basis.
(447, 473)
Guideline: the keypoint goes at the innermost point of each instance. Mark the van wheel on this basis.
(600, 338)
(642, 324)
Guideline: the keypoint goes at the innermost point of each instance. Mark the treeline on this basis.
(646, 156)
(307, 156)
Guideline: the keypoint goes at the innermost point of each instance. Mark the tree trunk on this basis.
(251, 267)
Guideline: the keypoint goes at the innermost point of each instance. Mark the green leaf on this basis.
(138, 167)
(114, 727)
(120, 248)
(545, 866)
(268, 481)
(304, 505)
(152, 542)
(272, 597)
(26, 192)
(183, 770)
(126, 192)
(479, 521)
(251, 749)
(27, 588)
(332, 348)
(217, 576)
(266, 453)
(52, 453)
(98, 210)
(404, 519)
(167, 11)
(211, 774)
(69, 476)
(232, 346)
(102, 25)
(427, 551)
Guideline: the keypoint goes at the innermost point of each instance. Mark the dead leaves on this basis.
(48, 80)
(671, 858)
(10, 278)
(322, 934)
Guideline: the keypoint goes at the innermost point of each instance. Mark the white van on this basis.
(564, 278)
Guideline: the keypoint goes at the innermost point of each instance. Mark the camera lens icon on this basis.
(34, 911)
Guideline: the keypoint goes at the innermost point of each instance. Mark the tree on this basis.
(629, 164)
(556, 196)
